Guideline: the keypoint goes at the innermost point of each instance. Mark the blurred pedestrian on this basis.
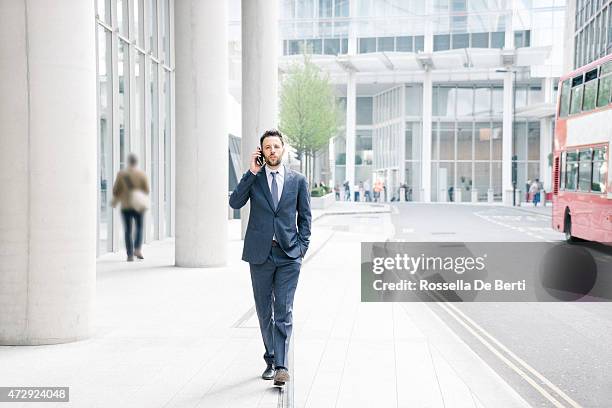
(131, 189)
(534, 191)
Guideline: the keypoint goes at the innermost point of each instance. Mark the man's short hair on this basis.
(132, 159)
(270, 133)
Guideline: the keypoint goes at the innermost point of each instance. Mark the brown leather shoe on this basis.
(281, 377)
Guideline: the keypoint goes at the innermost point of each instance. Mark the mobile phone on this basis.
(260, 160)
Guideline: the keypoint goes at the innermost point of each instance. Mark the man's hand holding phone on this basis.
(257, 160)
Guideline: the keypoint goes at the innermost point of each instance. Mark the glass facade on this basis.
(135, 108)
(593, 31)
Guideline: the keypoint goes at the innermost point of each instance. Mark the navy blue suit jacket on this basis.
(290, 222)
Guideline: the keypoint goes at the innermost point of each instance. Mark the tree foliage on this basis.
(309, 113)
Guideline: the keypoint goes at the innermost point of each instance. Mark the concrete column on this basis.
(259, 78)
(546, 137)
(426, 141)
(402, 153)
(545, 150)
(201, 133)
(332, 163)
(47, 171)
(351, 111)
(508, 118)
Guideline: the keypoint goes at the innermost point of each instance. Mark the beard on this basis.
(274, 161)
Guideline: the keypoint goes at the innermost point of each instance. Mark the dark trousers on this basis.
(131, 243)
(274, 284)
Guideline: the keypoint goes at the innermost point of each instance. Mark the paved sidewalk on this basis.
(179, 337)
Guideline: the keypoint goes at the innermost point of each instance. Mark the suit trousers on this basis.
(132, 243)
(274, 284)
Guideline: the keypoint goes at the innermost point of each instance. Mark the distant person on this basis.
(534, 191)
(366, 191)
(337, 191)
(451, 193)
(347, 191)
(131, 189)
(528, 189)
(378, 188)
(276, 240)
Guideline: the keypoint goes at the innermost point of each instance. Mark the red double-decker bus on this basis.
(582, 198)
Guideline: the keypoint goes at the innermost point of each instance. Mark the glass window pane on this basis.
(497, 141)
(447, 141)
(386, 44)
(576, 100)
(104, 8)
(305, 9)
(482, 175)
(139, 103)
(414, 102)
(122, 17)
(533, 141)
(519, 141)
(342, 8)
(154, 152)
(403, 44)
(497, 100)
(565, 98)
(498, 39)
(331, 46)
(480, 40)
(584, 171)
(482, 101)
(325, 8)
(367, 45)
(520, 95)
(314, 47)
(123, 100)
(482, 141)
(152, 13)
(138, 24)
(364, 110)
(571, 180)
(461, 41)
(295, 47)
(464, 141)
(165, 31)
(105, 137)
(444, 101)
(603, 96)
(464, 180)
(465, 98)
(441, 42)
(419, 43)
(590, 93)
(446, 180)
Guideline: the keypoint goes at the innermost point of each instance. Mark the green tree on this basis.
(309, 113)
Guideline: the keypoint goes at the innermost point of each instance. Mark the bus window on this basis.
(606, 68)
(562, 175)
(571, 169)
(576, 102)
(590, 90)
(565, 98)
(584, 170)
(603, 97)
(600, 170)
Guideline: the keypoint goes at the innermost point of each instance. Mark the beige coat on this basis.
(121, 192)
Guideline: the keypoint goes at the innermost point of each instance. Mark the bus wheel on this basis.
(568, 229)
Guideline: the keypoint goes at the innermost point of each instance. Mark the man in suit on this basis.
(276, 240)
